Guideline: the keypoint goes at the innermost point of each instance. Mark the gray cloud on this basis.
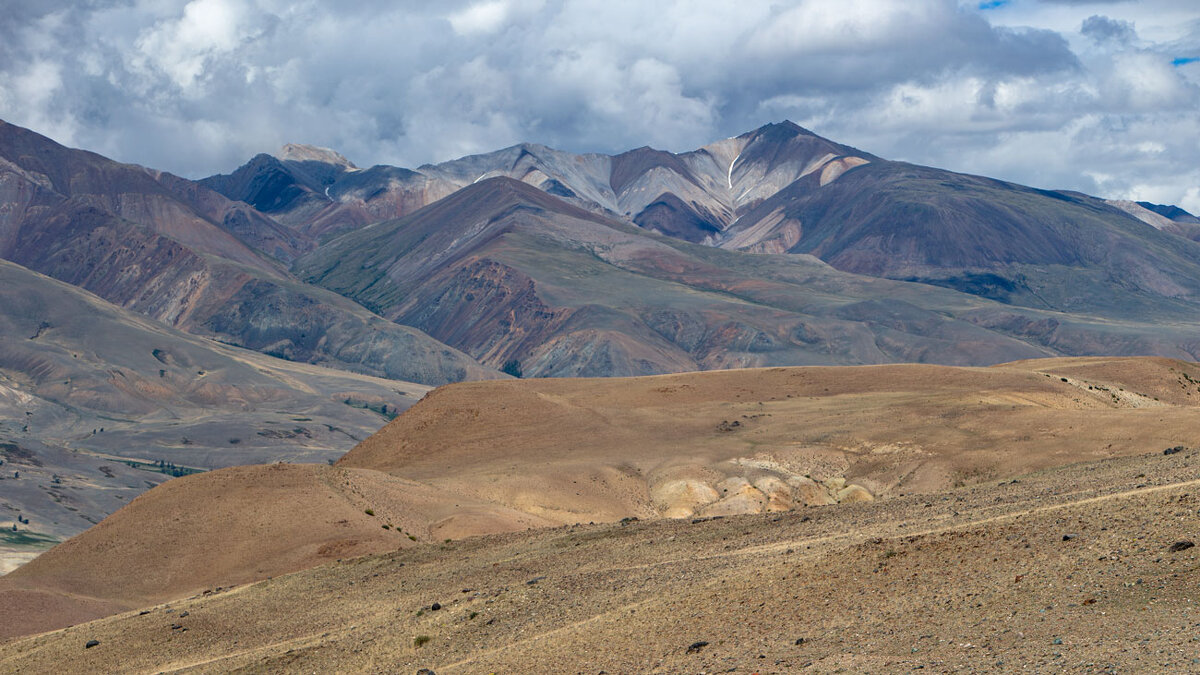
(198, 87)
(1102, 29)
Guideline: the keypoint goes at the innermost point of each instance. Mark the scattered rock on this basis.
(800, 641)
(1069, 537)
(695, 647)
(183, 614)
(91, 643)
(1172, 451)
(628, 519)
(435, 606)
(425, 671)
(1181, 546)
(534, 581)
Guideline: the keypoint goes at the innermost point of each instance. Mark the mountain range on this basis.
(153, 324)
(571, 279)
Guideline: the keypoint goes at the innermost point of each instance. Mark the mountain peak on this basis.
(500, 193)
(780, 130)
(298, 152)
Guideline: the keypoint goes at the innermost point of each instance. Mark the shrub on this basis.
(420, 640)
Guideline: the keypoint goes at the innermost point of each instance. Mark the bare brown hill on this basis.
(732, 441)
(1082, 568)
(499, 456)
(233, 526)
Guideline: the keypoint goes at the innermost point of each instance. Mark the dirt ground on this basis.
(1065, 569)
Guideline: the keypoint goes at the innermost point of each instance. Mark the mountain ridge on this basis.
(171, 249)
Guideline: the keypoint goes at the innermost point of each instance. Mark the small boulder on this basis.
(695, 647)
(91, 643)
(1180, 546)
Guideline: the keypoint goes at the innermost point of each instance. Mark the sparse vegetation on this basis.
(163, 466)
(512, 367)
(15, 537)
(389, 412)
(421, 640)
(369, 512)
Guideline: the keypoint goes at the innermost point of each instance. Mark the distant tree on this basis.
(512, 367)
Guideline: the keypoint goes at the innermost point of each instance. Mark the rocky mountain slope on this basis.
(1100, 277)
(502, 456)
(783, 189)
(180, 253)
(98, 403)
(519, 278)
(559, 271)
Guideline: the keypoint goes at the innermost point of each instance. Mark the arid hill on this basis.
(717, 442)
(234, 526)
(478, 458)
(1089, 567)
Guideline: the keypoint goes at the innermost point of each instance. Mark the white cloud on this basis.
(484, 17)
(1019, 92)
(183, 47)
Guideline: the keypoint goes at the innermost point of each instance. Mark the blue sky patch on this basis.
(1184, 60)
(993, 4)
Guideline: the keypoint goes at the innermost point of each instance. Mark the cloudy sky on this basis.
(1101, 96)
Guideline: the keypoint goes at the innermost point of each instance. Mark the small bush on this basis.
(369, 512)
(413, 537)
(512, 367)
(420, 640)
